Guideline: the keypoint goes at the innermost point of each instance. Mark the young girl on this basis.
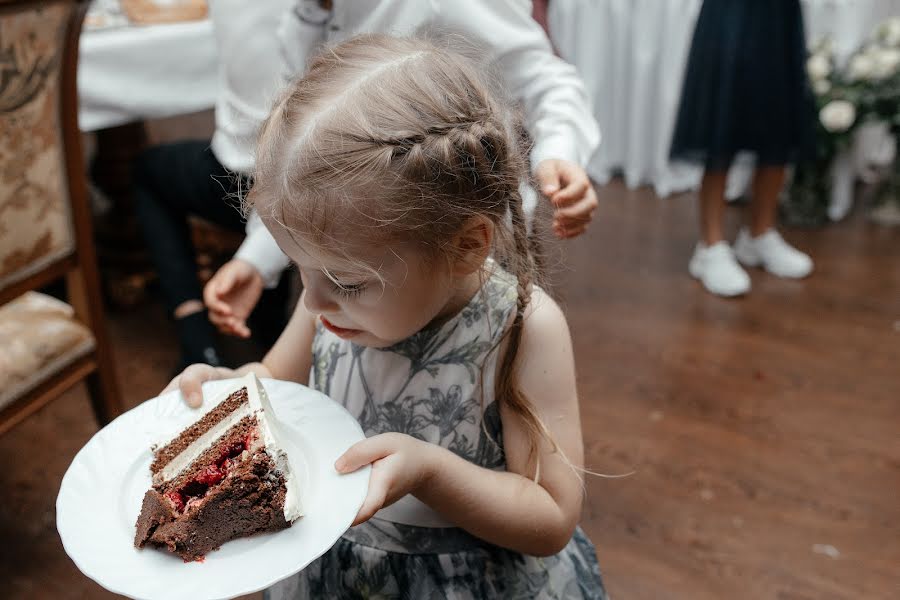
(390, 175)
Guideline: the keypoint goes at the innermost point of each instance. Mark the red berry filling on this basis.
(197, 487)
(177, 499)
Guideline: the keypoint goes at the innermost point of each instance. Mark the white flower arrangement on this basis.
(886, 62)
(861, 67)
(821, 87)
(849, 97)
(888, 32)
(837, 116)
(874, 63)
(818, 66)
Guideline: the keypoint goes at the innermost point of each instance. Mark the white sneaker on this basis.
(772, 253)
(720, 273)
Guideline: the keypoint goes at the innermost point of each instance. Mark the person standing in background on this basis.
(745, 89)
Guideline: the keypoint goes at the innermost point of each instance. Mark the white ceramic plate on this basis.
(101, 495)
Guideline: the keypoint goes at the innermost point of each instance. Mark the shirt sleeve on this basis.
(300, 34)
(557, 109)
(261, 250)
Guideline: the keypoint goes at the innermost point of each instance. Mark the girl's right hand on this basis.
(190, 382)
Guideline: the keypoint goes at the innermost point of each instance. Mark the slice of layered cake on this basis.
(226, 476)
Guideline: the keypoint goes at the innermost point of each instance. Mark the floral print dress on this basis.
(428, 386)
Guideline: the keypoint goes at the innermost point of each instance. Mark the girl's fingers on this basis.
(172, 386)
(187, 380)
(191, 383)
(378, 488)
(363, 453)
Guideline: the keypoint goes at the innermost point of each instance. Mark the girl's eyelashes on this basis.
(349, 290)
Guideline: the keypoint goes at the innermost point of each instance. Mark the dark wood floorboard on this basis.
(763, 432)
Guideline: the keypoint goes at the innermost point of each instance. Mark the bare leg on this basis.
(767, 184)
(713, 262)
(712, 206)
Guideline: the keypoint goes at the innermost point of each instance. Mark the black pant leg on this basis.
(174, 181)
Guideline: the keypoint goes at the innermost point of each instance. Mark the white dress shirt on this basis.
(250, 75)
(557, 110)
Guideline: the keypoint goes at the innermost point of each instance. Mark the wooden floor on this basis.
(763, 433)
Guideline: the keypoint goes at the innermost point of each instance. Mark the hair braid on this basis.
(523, 265)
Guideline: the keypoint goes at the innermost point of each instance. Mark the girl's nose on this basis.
(317, 299)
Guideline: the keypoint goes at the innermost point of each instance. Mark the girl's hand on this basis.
(400, 465)
(191, 379)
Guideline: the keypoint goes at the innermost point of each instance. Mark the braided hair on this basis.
(405, 138)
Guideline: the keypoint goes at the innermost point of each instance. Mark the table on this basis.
(132, 73)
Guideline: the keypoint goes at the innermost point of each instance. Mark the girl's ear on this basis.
(472, 245)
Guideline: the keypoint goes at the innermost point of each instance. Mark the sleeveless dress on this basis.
(427, 386)
(745, 86)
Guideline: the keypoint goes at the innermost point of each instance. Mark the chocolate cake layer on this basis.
(162, 456)
(155, 511)
(234, 436)
(250, 500)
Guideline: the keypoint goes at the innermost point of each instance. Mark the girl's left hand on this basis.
(400, 464)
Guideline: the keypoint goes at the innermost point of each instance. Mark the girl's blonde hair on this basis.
(404, 140)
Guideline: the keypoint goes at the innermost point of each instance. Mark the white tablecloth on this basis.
(632, 55)
(132, 73)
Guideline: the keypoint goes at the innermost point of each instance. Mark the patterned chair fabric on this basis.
(36, 227)
(40, 336)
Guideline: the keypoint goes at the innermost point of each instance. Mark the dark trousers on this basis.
(172, 182)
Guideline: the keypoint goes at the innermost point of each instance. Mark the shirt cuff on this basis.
(260, 250)
(559, 147)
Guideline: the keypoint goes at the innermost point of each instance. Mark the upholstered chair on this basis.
(46, 345)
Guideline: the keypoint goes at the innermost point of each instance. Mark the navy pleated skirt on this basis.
(745, 87)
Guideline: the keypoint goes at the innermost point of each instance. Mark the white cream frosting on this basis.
(257, 404)
(271, 434)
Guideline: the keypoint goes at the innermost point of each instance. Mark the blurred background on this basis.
(762, 432)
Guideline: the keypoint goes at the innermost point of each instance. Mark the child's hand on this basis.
(231, 295)
(400, 464)
(190, 382)
(569, 189)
